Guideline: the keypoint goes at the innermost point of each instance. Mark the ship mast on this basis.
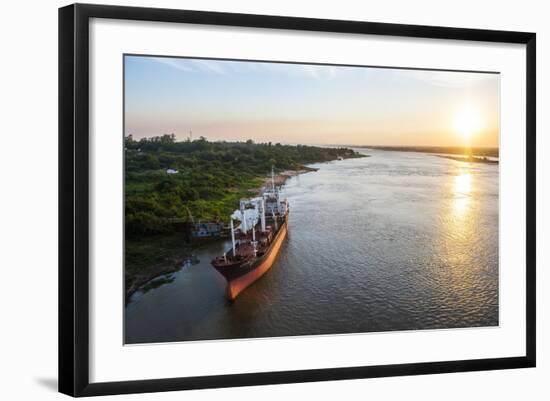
(262, 207)
(233, 237)
(254, 243)
(243, 223)
(272, 179)
(275, 220)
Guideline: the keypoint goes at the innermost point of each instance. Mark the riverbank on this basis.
(155, 246)
(280, 178)
(456, 150)
(151, 257)
(470, 159)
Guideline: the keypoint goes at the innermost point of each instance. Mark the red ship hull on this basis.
(238, 285)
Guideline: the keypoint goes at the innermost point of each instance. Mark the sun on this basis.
(467, 122)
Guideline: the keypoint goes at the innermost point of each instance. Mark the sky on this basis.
(309, 104)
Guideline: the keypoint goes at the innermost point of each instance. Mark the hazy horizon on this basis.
(309, 104)
(309, 144)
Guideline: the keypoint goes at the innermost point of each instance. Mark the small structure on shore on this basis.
(208, 230)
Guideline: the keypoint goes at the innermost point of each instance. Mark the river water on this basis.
(395, 241)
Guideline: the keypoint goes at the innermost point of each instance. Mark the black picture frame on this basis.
(74, 200)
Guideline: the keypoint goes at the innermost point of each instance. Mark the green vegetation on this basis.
(211, 177)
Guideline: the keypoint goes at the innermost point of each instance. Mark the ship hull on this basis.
(236, 285)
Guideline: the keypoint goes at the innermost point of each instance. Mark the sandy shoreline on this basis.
(281, 178)
(470, 159)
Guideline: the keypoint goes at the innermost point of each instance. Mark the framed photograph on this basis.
(251, 199)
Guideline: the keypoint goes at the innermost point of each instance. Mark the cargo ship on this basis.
(256, 241)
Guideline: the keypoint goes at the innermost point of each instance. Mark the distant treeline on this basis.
(455, 150)
(206, 179)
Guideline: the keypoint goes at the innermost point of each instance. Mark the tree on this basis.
(167, 139)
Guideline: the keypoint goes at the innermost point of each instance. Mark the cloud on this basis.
(215, 66)
(224, 67)
(173, 62)
(311, 71)
(447, 79)
(192, 65)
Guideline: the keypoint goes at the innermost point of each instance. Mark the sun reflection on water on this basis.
(458, 238)
(462, 188)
